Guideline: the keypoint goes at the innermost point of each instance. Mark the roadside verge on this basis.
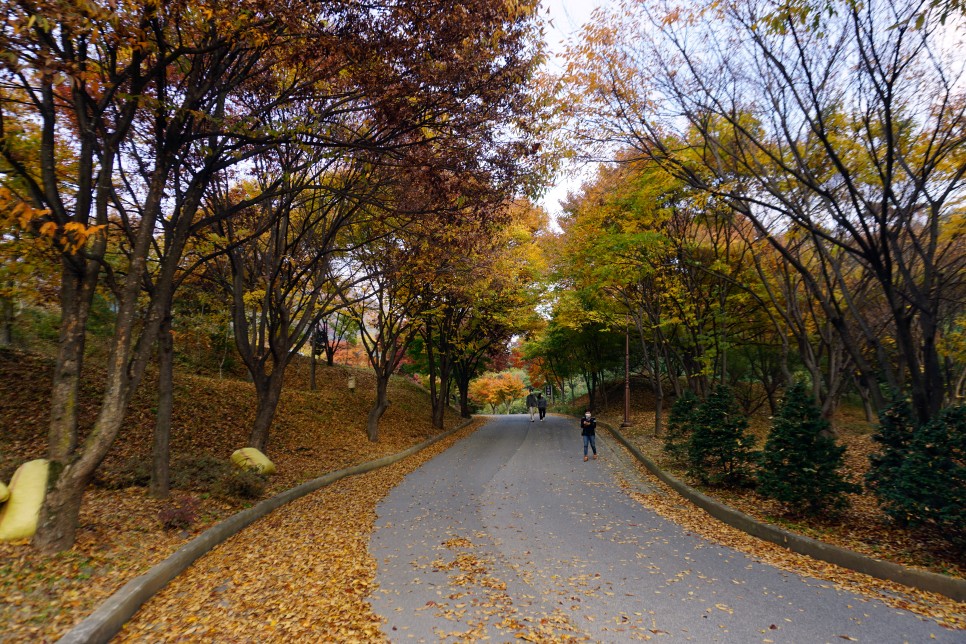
(110, 616)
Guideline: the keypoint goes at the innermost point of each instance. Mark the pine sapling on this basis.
(720, 449)
(801, 464)
(680, 422)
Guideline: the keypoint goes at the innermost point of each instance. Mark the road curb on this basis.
(105, 622)
(921, 579)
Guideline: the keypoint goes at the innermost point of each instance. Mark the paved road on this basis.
(509, 533)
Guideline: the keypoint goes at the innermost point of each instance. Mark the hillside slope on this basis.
(120, 534)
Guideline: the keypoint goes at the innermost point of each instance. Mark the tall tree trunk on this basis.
(312, 362)
(268, 390)
(658, 393)
(464, 400)
(59, 515)
(160, 486)
(6, 321)
(379, 407)
(76, 296)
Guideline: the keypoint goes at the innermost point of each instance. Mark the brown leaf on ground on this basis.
(120, 535)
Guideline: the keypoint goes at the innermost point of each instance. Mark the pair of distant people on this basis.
(536, 404)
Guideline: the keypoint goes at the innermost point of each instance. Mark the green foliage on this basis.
(719, 450)
(679, 425)
(894, 435)
(39, 327)
(921, 481)
(801, 461)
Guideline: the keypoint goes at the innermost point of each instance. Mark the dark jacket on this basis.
(541, 402)
(588, 426)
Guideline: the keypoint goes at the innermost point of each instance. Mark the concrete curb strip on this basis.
(921, 579)
(105, 622)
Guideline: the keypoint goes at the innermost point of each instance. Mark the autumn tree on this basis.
(496, 389)
(330, 332)
(279, 265)
(135, 96)
(384, 306)
(842, 124)
(508, 279)
(132, 96)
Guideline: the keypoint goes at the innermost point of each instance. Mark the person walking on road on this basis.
(588, 429)
(531, 404)
(542, 406)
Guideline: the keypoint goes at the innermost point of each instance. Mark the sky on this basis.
(565, 17)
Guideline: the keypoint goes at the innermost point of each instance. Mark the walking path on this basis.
(509, 534)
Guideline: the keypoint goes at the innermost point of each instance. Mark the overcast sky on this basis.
(565, 17)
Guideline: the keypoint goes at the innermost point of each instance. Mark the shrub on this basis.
(927, 487)
(719, 450)
(179, 513)
(801, 460)
(133, 472)
(679, 425)
(199, 473)
(241, 484)
(894, 435)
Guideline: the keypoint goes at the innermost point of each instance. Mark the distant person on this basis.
(532, 404)
(542, 406)
(588, 429)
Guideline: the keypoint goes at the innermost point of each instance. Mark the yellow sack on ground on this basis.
(21, 512)
(4, 492)
(249, 458)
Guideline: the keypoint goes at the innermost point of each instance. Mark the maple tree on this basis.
(384, 307)
(278, 267)
(506, 289)
(143, 113)
(496, 389)
(128, 94)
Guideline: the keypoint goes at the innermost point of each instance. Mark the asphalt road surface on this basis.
(510, 535)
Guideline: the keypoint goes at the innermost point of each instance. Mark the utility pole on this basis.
(627, 373)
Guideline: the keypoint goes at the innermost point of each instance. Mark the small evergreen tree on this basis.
(928, 488)
(679, 424)
(801, 461)
(894, 435)
(719, 450)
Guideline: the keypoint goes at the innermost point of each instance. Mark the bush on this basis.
(241, 484)
(179, 513)
(133, 472)
(719, 450)
(894, 435)
(801, 461)
(920, 479)
(679, 424)
(199, 473)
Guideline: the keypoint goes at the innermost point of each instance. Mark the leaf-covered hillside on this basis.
(121, 535)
